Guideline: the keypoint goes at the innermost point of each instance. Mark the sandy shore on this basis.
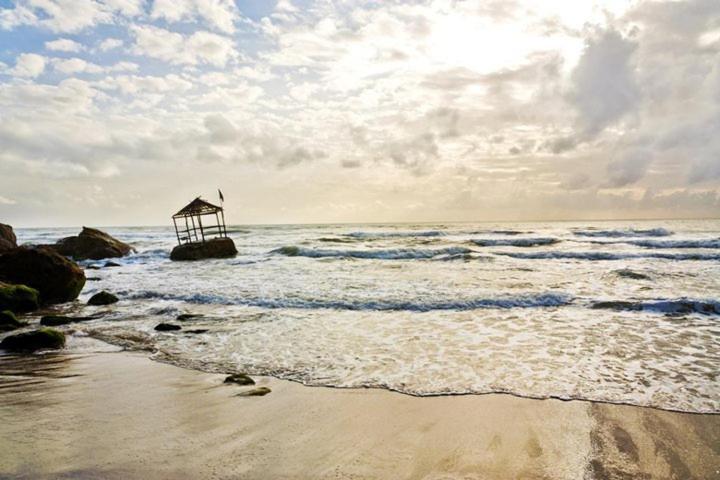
(122, 416)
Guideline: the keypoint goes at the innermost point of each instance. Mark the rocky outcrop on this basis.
(18, 298)
(8, 241)
(215, 248)
(56, 278)
(92, 244)
(102, 298)
(44, 338)
(8, 321)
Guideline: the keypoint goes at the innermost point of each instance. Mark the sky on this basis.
(119, 112)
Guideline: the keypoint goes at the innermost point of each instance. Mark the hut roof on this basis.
(197, 207)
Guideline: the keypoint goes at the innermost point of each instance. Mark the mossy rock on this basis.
(44, 338)
(8, 321)
(18, 298)
(255, 392)
(240, 379)
(102, 298)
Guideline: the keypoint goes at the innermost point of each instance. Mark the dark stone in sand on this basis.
(8, 321)
(43, 338)
(92, 244)
(240, 379)
(8, 241)
(93, 279)
(197, 330)
(188, 316)
(167, 327)
(56, 320)
(102, 298)
(255, 392)
(56, 278)
(18, 298)
(111, 264)
(215, 248)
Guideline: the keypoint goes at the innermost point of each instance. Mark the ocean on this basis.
(621, 312)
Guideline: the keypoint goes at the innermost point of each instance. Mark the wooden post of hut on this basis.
(212, 242)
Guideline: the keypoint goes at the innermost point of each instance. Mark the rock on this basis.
(255, 392)
(240, 379)
(93, 279)
(56, 278)
(111, 264)
(8, 241)
(8, 321)
(18, 298)
(43, 338)
(167, 327)
(92, 244)
(102, 298)
(197, 330)
(93, 267)
(215, 248)
(57, 320)
(627, 273)
(188, 316)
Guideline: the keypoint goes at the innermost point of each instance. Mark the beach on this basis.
(112, 414)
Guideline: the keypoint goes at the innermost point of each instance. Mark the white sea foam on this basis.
(387, 254)
(630, 232)
(515, 242)
(599, 255)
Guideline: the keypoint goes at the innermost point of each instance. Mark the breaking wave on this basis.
(388, 254)
(707, 243)
(609, 255)
(651, 232)
(516, 301)
(679, 306)
(419, 233)
(515, 242)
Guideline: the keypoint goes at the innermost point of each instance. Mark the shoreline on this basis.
(120, 414)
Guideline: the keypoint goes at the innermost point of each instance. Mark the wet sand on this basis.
(120, 415)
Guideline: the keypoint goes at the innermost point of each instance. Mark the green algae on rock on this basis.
(41, 339)
(18, 298)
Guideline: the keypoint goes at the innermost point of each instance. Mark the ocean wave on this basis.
(678, 306)
(631, 232)
(706, 243)
(516, 301)
(515, 242)
(411, 233)
(608, 255)
(388, 254)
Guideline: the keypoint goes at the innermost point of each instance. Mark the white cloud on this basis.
(28, 65)
(64, 45)
(199, 48)
(74, 65)
(219, 14)
(110, 44)
(7, 201)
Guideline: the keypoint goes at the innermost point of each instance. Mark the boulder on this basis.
(240, 379)
(92, 244)
(188, 316)
(102, 298)
(56, 278)
(215, 248)
(8, 321)
(18, 298)
(43, 338)
(255, 392)
(8, 241)
(167, 327)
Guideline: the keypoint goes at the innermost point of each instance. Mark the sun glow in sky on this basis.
(118, 112)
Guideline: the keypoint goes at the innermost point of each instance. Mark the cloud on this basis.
(75, 65)
(110, 44)
(67, 16)
(64, 45)
(604, 87)
(628, 169)
(219, 14)
(28, 65)
(199, 48)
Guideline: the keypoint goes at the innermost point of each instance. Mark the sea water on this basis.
(625, 312)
